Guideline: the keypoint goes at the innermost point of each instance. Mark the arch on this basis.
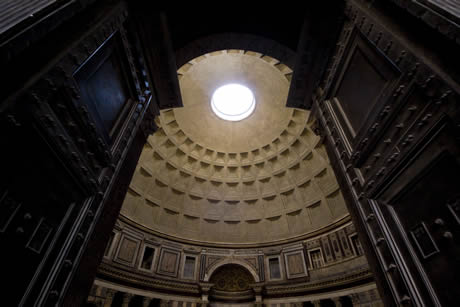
(242, 41)
(217, 265)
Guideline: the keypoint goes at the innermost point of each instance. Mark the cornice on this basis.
(342, 280)
(438, 14)
(318, 232)
(124, 276)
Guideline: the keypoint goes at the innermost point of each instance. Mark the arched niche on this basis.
(232, 277)
(231, 283)
(232, 262)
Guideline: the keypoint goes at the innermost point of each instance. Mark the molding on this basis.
(356, 276)
(145, 292)
(225, 261)
(126, 276)
(319, 232)
(323, 295)
(113, 244)
(443, 19)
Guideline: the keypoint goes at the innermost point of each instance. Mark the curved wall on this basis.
(323, 266)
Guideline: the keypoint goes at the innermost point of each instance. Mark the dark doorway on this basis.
(117, 299)
(136, 301)
(346, 301)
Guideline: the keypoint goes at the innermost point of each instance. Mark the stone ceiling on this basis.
(263, 179)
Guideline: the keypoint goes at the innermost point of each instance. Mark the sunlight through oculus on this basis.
(233, 102)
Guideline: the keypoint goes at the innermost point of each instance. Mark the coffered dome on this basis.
(263, 179)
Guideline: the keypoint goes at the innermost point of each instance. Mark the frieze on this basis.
(218, 251)
(265, 247)
(247, 252)
(356, 276)
(156, 283)
(211, 260)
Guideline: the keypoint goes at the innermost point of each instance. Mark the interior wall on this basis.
(387, 109)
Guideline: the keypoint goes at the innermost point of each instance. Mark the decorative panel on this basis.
(357, 247)
(261, 268)
(336, 246)
(211, 260)
(105, 84)
(252, 262)
(127, 250)
(328, 254)
(344, 243)
(366, 78)
(295, 264)
(169, 262)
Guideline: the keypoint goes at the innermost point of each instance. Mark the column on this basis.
(355, 299)
(99, 301)
(337, 301)
(258, 293)
(109, 297)
(205, 287)
(126, 299)
(164, 303)
(204, 300)
(316, 303)
(146, 301)
(92, 294)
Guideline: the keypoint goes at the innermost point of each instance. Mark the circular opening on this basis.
(233, 102)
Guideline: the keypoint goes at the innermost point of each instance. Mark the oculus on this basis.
(233, 102)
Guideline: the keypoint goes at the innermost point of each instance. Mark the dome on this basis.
(259, 180)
